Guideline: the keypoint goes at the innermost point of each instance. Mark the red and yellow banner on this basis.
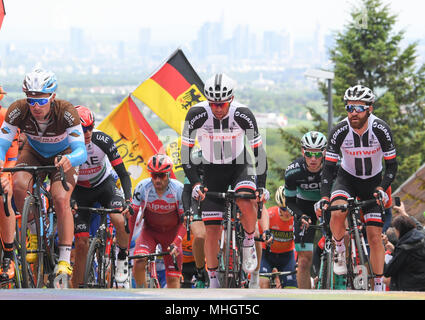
(2, 12)
(135, 139)
(172, 90)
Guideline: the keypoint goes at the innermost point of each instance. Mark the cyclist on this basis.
(363, 140)
(8, 224)
(221, 125)
(159, 199)
(96, 184)
(197, 227)
(52, 127)
(302, 191)
(280, 254)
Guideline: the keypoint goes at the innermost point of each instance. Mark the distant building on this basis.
(271, 120)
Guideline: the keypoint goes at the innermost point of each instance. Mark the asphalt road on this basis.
(203, 294)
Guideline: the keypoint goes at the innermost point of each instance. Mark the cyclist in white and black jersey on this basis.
(221, 124)
(97, 184)
(362, 140)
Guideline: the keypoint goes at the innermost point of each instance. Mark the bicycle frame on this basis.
(230, 250)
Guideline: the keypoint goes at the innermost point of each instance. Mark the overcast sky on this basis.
(179, 20)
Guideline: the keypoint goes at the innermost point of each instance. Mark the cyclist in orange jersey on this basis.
(7, 224)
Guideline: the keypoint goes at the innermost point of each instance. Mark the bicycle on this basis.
(359, 269)
(230, 273)
(100, 268)
(151, 274)
(39, 204)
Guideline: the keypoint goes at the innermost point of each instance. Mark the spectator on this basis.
(407, 267)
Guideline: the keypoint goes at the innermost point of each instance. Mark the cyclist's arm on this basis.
(336, 137)
(12, 153)
(247, 122)
(181, 229)
(384, 135)
(195, 117)
(7, 135)
(291, 192)
(78, 153)
(116, 161)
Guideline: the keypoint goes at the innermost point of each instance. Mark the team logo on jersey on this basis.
(190, 97)
(5, 130)
(75, 133)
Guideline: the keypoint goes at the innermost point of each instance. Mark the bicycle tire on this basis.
(94, 273)
(32, 273)
(110, 269)
(354, 259)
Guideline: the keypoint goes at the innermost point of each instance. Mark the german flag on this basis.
(172, 90)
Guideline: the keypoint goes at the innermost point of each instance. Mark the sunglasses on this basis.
(219, 104)
(158, 175)
(310, 154)
(40, 101)
(357, 107)
(89, 128)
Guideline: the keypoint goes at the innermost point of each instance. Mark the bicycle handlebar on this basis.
(352, 203)
(151, 256)
(99, 210)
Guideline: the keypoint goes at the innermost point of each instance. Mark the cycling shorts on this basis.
(147, 242)
(282, 262)
(218, 178)
(29, 157)
(107, 194)
(305, 243)
(347, 186)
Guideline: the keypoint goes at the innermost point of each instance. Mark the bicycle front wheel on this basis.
(94, 275)
(31, 257)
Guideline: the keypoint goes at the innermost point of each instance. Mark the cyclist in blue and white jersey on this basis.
(53, 128)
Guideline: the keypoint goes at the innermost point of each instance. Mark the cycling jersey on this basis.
(12, 153)
(160, 214)
(301, 184)
(222, 141)
(97, 167)
(282, 231)
(63, 130)
(361, 155)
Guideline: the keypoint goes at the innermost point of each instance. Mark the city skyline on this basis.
(175, 22)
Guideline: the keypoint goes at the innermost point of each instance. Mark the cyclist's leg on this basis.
(341, 191)
(245, 183)
(81, 242)
(304, 246)
(145, 244)
(7, 227)
(374, 220)
(199, 233)
(265, 267)
(65, 219)
(172, 275)
(286, 262)
(112, 197)
(212, 215)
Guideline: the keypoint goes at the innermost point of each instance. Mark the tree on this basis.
(368, 51)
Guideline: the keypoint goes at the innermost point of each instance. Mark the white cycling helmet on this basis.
(40, 81)
(219, 88)
(280, 197)
(314, 140)
(359, 93)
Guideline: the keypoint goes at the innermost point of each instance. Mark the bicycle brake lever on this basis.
(62, 175)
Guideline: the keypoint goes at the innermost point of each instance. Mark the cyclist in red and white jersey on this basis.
(363, 140)
(157, 202)
(96, 184)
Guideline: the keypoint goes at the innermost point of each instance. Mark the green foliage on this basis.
(369, 52)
